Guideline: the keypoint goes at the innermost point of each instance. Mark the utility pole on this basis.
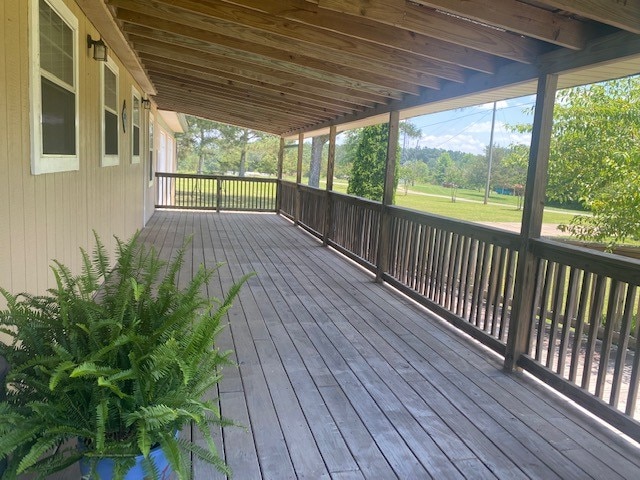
(493, 126)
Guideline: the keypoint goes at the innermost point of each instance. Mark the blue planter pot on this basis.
(105, 467)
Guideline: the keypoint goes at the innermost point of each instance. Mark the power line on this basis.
(469, 115)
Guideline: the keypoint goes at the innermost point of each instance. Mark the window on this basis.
(110, 114)
(135, 126)
(54, 87)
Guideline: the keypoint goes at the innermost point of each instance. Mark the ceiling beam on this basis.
(346, 95)
(262, 74)
(364, 29)
(252, 28)
(286, 61)
(623, 14)
(219, 83)
(206, 97)
(180, 53)
(222, 116)
(241, 95)
(426, 21)
(287, 52)
(231, 108)
(519, 17)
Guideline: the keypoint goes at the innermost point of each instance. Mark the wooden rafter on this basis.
(621, 14)
(290, 66)
(260, 55)
(376, 32)
(367, 57)
(214, 60)
(427, 21)
(519, 17)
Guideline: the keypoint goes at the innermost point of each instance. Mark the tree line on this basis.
(594, 160)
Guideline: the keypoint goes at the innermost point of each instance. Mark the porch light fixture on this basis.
(99, 49)
(146, 103)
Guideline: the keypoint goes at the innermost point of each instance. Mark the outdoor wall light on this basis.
(99, 49)
(146, 103)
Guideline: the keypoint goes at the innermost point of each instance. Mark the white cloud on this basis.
(461, 143)
(484, 127)
(510, 138)
(489, 106)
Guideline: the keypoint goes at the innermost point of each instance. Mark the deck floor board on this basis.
(337, 354)
(339, 377)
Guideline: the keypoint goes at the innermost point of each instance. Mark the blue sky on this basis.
(469, 129)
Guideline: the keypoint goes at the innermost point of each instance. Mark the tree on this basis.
(452, 178)
(237, 140)
(196, 145)
(369, 165)
(408, 130)
(443, 164)
(514, 170)
(208, 147)
(346, 153)
(317, 146)
(412, 172)
(595, 158)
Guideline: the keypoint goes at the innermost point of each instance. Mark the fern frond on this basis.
(39, 448)
(102, 412)
(100, 257)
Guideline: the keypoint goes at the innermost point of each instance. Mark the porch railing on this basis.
(584, 330)
(584, 335)
(215, 192)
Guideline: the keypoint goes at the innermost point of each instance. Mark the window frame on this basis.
(135, 94)
(42, 163)
(109, 160)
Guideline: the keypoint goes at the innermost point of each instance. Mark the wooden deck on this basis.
(339, 377)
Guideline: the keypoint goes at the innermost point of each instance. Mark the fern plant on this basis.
(119, 357)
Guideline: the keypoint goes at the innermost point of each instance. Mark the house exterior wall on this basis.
(49, 216)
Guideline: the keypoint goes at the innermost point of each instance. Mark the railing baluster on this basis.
(492, 287)
(623, 345)
(579, 329)
(452, 274)
(543, 309)
(595, 317)
(499, 282)
(556, 308)
(510, 273)
(632, 396)
(605, 348)
(569, 314)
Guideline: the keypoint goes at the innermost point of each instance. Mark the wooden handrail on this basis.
(621, 268)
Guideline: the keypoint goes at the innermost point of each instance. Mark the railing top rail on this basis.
(611, 265)
(288, 183)
(469, 229)
(357, 200)
(214, 177)
(313, 190)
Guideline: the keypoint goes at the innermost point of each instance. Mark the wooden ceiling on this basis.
(284, 66)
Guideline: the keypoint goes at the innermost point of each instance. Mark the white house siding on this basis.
(49, 216)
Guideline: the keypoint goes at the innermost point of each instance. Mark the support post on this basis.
(524, 289)
(387, 196)
(218, 193)
(331, 161)
(296, 216)
(279, 182)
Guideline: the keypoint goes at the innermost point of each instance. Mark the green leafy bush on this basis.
(119, 357)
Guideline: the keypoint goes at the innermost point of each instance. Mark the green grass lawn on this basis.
(436, 199)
